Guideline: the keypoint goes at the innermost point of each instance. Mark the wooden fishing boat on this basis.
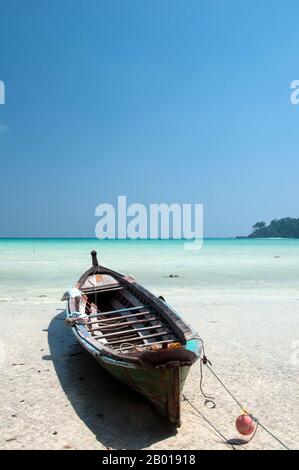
(133, 334)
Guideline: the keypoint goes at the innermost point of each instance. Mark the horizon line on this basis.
(113, 239)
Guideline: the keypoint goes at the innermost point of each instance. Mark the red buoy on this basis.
(245, 425)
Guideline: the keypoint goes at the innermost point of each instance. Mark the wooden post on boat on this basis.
(94, 258)
(173, 392)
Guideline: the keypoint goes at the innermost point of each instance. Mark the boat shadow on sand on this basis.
(119, 417)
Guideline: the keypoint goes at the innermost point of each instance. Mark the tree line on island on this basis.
(278, 228)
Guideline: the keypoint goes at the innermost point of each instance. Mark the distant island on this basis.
(278, 228)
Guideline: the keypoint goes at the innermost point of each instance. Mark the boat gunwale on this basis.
(184, 332)
(181, 328)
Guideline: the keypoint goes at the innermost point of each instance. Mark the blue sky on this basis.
(162, 101)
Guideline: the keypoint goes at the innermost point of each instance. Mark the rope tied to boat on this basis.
(205, 361)
(208, 399)
(185, 398)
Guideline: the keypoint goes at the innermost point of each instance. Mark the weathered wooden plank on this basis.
(93, 309)
(134, 330)
(125, 323)
(148, 344)
(125, 339)
(162, 333)
(99, 290)
(130, 298)
(119, 318)
(173, 387)
(116, 311)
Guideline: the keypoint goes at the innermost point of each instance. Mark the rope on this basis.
(207, 398)
(206, 419)
(269, 432)
(224, 386)
(122, 345)
(206, 362)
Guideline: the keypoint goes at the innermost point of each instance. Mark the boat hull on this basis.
(137, 337)
(162, 385)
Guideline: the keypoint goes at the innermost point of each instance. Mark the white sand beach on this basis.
(55, 396)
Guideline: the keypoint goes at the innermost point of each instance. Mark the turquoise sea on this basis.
(32, 269)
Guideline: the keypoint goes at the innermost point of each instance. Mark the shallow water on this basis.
(32, 269)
